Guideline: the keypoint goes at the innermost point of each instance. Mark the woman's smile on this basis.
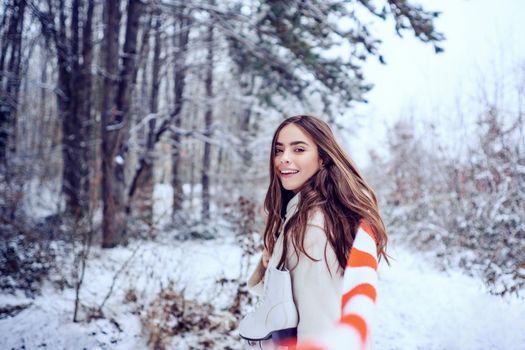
(288, 173)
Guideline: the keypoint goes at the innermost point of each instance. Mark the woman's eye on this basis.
(278, 151)
(299, 150)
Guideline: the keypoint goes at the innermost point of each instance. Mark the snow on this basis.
(47, 323)
(119, 160)
(43, 197)
(419, 306)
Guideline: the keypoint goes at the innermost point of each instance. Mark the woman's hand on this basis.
(265, 258)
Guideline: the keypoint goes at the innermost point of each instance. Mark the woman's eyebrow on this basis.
(293, 143)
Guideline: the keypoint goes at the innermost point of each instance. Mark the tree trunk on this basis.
(247, 84)
(117, 122)
(73, 95)
(208, 120)
(245, 136)
(145, 183)
(76, 82)
(180, 42)
(179, 71)
(66, 106)
(176, 183)
(87, 147)
(11, 46)
(113, 219)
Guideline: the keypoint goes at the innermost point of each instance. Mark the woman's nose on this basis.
(285, 158)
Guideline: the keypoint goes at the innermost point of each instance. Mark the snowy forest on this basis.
(134, 145)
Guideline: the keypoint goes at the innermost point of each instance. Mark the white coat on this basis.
(316, 290)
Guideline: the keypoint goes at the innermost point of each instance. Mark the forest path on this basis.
(421, 307)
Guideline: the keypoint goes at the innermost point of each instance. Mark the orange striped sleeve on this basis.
(362, 289)
(365, 225)
(359, 258)
(358, 323)
(358, 298)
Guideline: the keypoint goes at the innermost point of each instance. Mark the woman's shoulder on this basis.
(316, 218)
(315, 231)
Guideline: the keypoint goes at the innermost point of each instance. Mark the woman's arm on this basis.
(352, 331)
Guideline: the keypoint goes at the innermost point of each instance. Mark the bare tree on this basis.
(141, 189)
(11, 27)
(180, 40)
(208, 121)
(74, 53)
(115, 116)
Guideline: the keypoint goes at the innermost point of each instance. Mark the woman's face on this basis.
(296, 157)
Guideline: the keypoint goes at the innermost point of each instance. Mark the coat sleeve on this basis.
(358, 300)
(316, 284)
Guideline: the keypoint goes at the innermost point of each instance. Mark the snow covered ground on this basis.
(191, 266)
(419, 307)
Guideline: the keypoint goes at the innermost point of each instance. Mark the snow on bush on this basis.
(469, 211)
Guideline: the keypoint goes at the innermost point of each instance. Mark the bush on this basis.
(468, 211)
(171, 315)
(24, 263)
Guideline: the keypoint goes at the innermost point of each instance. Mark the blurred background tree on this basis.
(124, 78)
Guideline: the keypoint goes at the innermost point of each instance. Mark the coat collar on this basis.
(292, 205)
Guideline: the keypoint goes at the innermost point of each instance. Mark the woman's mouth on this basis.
(288, 173)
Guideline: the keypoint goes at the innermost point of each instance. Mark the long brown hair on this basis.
(337, 189)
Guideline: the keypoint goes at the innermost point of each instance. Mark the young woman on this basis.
(324, 226)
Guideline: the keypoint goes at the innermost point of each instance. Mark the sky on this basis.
(483, 44)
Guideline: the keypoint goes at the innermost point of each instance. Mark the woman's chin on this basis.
(291, 187)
